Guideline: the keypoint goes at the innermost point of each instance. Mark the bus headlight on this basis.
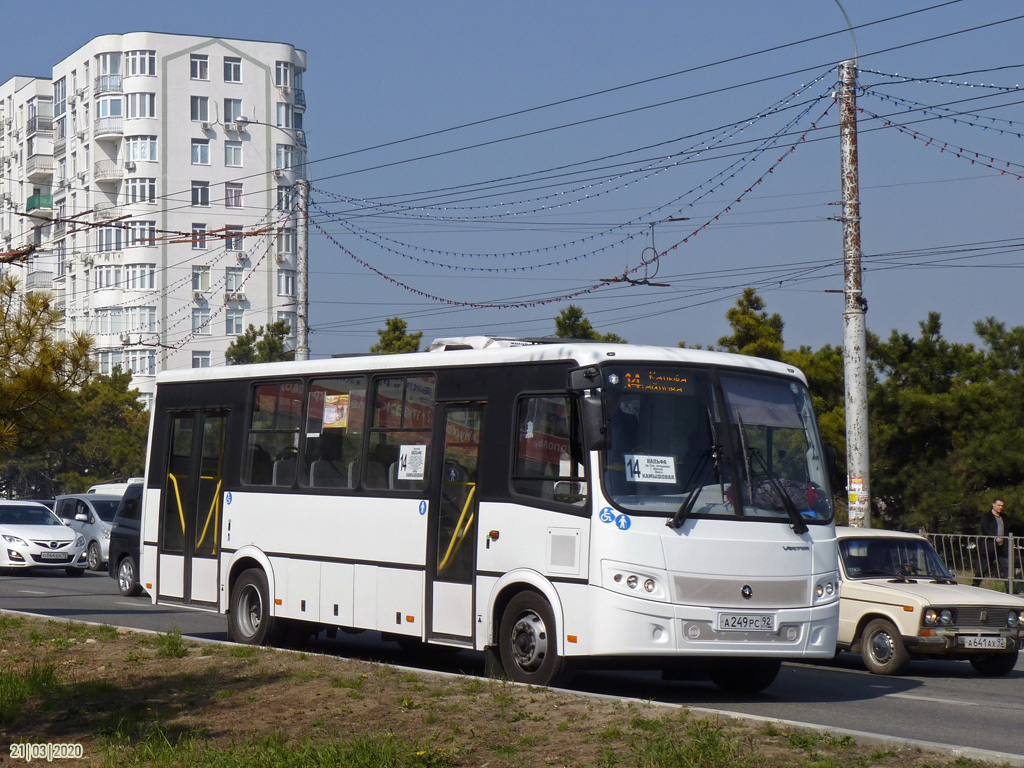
(631, 580)
(825, 591)
(649, 585)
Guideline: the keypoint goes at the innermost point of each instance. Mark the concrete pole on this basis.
(855, 330)
(302, 273)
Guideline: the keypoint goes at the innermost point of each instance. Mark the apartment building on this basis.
(153, 177)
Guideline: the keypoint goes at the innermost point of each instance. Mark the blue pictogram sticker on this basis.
(622, 522)
(423, 507)
(607, 515)
(227, 497)
(453, 475)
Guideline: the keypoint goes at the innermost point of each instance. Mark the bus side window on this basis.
(272, 443)
(548, 455)
(334, 428)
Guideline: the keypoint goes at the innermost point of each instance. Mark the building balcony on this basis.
(39, 124)
(40, 206)
(39, 281)
(300, 98)
(107, 84)
(108, 171)
(39, 167)
(60, 145)
(106, 211)
(108, 128)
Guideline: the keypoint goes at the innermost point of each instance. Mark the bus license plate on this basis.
(998, 643)
(746, 622)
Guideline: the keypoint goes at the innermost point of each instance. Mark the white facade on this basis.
(172, 223)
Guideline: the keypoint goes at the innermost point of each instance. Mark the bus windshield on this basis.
(696, 442)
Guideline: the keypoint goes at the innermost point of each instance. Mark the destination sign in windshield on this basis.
(655, 380)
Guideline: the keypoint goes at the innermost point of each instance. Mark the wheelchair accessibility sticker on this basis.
(227, 497)
(622, 522)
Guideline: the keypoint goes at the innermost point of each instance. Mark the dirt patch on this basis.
(119, 693)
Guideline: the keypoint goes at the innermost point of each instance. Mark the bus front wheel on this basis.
(527, 642)
(249, 620)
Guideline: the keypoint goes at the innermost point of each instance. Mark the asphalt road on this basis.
(937, 701)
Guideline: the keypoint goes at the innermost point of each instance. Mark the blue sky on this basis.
(432, 223)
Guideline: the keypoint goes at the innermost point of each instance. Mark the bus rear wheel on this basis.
(249, 619)
(527, 642)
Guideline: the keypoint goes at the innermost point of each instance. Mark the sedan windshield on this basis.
(874, 557)
(15, 514)
(690, 442)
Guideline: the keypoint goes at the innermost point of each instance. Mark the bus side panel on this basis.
(400, 601)
(555, 544)
(150, 535)
(337, 594)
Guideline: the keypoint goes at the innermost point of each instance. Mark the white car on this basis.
(898, 601)
(92, 515)
(31, 536)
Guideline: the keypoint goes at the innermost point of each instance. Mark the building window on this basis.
(200, 66)
(140, 320)
(233, 195)
(110, 106)
(140, 277)
(233, 238)
(232, 110)
(200, 151)
(200, 359)
(62, 258)
(286, 199)
(285, 156)
(284, 115)
(201, 321)
(108, 360)
(233, 322)
(139, 63)
(198, 237)
(140, 148)
(139, 190)
(200, 277)
(142, 233)
(199, 108)
(233, 154)
(283, 74)
(142, 362)
(60, 97)
(232, 69)
(107, 276)
(141, 104)
(286, 282)
(108, 321)
(201, 193)
(233, 279)
(288, 317)
(109, 240)
(286, 241)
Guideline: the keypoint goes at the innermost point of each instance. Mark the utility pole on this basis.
(302, 268)
(858, 484)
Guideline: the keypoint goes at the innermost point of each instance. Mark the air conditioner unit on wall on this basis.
(129, 165)
(240, 255)
(278, 173)
(282, 258)
(198, 295)
(205, 126)
(286, 89)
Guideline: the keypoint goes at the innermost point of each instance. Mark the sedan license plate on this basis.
(998, 643)
(52, 556)
(746, 622)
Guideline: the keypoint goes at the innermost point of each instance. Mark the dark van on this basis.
(125, 542)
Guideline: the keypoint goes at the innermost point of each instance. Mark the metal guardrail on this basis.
(976, 557)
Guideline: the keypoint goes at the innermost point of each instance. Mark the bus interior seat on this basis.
(324, 473)
(284, 471)
(261, 466)
(376, 477)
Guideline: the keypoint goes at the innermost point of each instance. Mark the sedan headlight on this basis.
(80, 541)
(15, 540)
(106, 533)
(1015, 619)
(936, 616)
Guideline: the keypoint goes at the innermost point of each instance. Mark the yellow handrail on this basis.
(177, 495)
(457, 537)
(210, 514)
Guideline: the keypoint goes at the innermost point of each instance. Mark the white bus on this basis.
(551, 504)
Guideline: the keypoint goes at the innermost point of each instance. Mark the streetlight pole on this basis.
(302, 247)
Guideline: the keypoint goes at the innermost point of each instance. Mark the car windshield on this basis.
(875, 557)
(11, 514)
(105, 509)
(713, 444)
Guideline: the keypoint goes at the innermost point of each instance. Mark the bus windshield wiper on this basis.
(796, 520)
(697, 477)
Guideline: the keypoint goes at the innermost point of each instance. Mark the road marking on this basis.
(32, 592)
(957, 702)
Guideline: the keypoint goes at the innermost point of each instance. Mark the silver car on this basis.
(91, 514)
(31, 536)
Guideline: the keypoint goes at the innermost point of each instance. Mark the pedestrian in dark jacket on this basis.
(995, 550)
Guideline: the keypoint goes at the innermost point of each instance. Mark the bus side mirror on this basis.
(595, 427)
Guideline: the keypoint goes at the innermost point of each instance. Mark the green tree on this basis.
(395, 339)
(38, 372)
(754, 331)
(260, 345)
(572, 324)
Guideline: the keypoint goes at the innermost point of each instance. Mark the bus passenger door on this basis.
(453, 522)
(190, 509)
